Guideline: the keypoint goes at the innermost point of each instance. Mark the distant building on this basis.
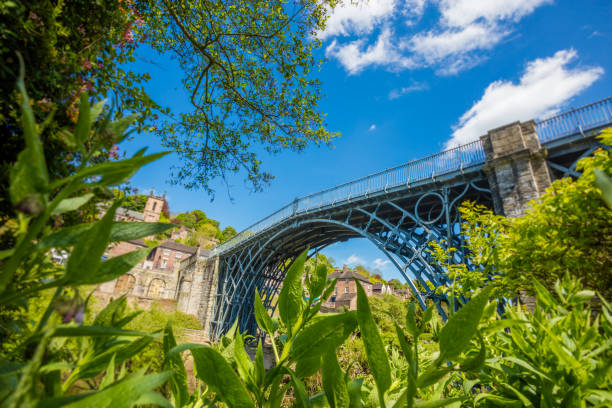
(382, 288)
(345, 294)
(152, 211)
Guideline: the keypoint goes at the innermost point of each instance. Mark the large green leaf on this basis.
(290, 301)
(71, 204)
(122, 394)
(96, 331)
(243, 362)
(375, 350)
(112, 268)
(456, 334)
(120, 231)
(174, 363)
(86, 256)
(212, 368)
(122, 352)
(318, 280)
(604, 182)
(333, 381)
(324, 333)
(264, 321)
(29, 177)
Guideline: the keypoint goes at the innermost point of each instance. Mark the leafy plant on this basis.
(40, 371)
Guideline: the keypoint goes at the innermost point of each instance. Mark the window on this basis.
(166, 252)
(125, 284)
(157, 288)
(154, 205)
(179, 255)
(346, 289)
(164, 263)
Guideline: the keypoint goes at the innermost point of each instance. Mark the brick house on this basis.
(165, 255)
(345, 294)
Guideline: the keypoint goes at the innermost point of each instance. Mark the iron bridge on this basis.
(400, 210)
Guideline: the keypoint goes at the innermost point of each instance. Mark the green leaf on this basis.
(290, 302)
(85, 259)
(264, 321)
(212, 368)
(112, 268)
(333, 381)
(71, 204)
(152, 398)
(243, 362)
(375, 350)
(29, 177)
(604, 182)
(438, 403)
(456, 334)
(174, 363)
(308, 366)
(354, 391)
(411, 323)
(96, 331)
(121, 353)
(299, 391)
(318, 280)
(407, 350)
(325, 332)
(431, 376)
(260, 367)
(476, 362)
(120, 231)
(499, 401)
(122, 394)
(82, 130)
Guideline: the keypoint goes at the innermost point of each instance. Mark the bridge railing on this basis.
(430, 167)
(572, 122)
(575, 121)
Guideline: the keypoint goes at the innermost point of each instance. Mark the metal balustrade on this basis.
(575, 121)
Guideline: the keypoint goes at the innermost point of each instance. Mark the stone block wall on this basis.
(516, 167)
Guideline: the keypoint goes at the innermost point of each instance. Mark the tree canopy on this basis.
(250, 70)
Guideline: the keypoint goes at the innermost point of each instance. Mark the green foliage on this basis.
(58, 362)
(68, 52)
(566, 230)
(250, 70)
(558, 356)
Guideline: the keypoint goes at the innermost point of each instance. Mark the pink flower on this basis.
(87, 64)
(139, 22)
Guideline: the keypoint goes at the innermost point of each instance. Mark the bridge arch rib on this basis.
(399, 226)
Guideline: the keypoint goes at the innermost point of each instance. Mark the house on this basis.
(382, 288)
(345, 294)
(165, 255)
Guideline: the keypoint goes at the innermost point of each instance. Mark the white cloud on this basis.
(465, 30)
(354, 260)
(399, 92)
(544, 87)
(383, 53)
(434, 47)
(380, 263)
(372, 127)
(462, 13)
(357, 18)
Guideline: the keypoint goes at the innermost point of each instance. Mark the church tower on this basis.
(153, 207)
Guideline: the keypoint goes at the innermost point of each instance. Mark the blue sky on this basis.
(405, 79)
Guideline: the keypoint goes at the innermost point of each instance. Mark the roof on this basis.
(175, 246)
(129, 213)
(345, 273)
(139, 242)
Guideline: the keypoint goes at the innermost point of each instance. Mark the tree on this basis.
(568, 230)
(228, 232)
(249, 70)
(68, 48)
